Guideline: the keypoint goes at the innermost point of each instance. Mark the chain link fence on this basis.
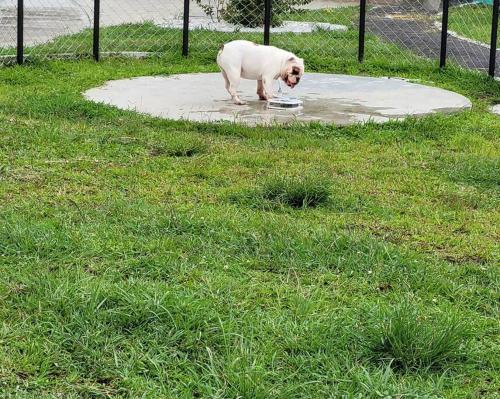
(399, 31)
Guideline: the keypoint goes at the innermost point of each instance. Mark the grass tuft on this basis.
(413, 341)
(179, 147)
(297, 192)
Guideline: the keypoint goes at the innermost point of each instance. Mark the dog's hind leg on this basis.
(232, 83)
(226, 80)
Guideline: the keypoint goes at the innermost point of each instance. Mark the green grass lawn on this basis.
(472, 21)
(149, 258)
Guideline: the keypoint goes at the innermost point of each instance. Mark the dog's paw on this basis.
(265, 96)
(240, 102)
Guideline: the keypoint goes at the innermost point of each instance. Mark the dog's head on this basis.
(293, 71)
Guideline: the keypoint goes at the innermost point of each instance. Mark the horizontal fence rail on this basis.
(464, 32)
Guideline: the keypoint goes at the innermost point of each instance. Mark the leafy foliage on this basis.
(249, 13)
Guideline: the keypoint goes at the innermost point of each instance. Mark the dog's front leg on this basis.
(260, 90)
(267, 82)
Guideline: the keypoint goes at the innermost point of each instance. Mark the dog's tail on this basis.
(221, 48)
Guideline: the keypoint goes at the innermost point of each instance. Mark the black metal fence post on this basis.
(20, 32)
(267, 21)
(362, 29)
(444, 34)
(185, 30)
(494, 36)
(97, 14)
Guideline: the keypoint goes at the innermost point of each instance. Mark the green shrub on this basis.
(249, 13)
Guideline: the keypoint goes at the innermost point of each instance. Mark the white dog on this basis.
(243, 59)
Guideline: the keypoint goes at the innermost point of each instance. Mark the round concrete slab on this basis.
(340, 99)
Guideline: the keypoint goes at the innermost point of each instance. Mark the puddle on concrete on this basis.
(339, 99)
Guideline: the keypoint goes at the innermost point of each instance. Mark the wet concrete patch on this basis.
(339, 99)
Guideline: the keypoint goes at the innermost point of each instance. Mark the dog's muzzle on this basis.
(291, 84)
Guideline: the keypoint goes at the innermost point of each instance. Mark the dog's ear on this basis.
(291, 62)
(295, 60)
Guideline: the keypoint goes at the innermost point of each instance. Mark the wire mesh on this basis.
(309, 28)
(321, 31)
(57, 27)
(138, 27)
(8, 28)
(214, 22)
(404, 29)
(470, 33)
